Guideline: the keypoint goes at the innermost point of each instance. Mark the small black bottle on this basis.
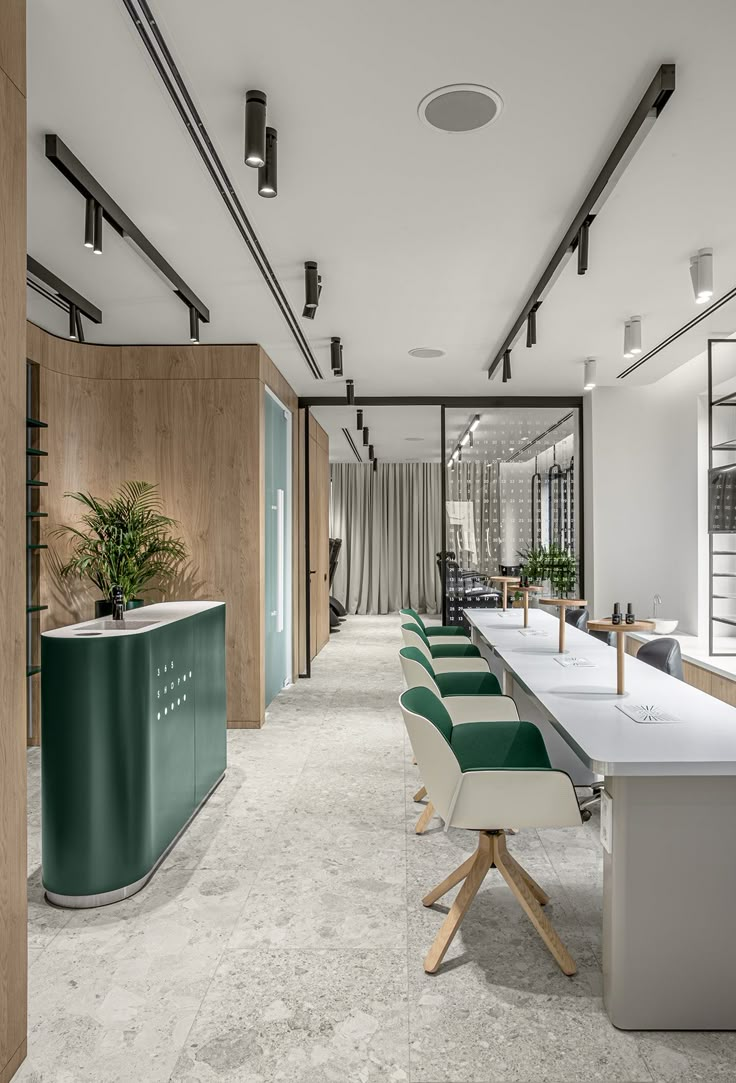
(616, 615)
(630, 618)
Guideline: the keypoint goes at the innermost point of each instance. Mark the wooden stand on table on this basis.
(564, 604)
(506, 580)
(526, 591)
(621, 629)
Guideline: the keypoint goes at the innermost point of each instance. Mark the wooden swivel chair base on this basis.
(492, 854)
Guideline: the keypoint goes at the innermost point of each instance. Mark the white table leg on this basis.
(669, 949)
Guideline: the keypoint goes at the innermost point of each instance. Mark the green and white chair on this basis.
(465, 696)
(413, 636)
(433, 630)
(483, 776)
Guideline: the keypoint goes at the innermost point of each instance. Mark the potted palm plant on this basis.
(124, 541)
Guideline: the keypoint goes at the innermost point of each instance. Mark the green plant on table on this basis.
(552, 562)
(124, 541)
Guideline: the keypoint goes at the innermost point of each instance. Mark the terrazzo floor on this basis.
(283, 938)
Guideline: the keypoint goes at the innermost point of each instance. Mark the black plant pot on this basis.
(103, 608)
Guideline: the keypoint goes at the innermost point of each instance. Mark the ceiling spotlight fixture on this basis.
(193, 324)
(350, 392)
(366, 437)
(460, 108)
(465, 440)
(89, 222)
(371, 453)
(336, 356)
(80, 329)
(531, 326)
(583, 245)
(312, 289)
(359, 420)
(97, 230)
(506, 366)
(267, 173)
(255, 128)
(73, 329)
(375, 466)
(701, 274)
(632, 337)
(590, 373)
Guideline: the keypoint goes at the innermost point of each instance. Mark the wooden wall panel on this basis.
(13, 45)
(159, 413)
(13, 872)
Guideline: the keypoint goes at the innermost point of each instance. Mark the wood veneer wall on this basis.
(192, 419)
(13, 953)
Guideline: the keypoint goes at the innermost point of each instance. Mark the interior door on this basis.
(277, 591)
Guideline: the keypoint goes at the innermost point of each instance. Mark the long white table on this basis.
(669, 814)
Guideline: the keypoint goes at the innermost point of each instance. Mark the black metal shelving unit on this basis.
(721, 500)
(35, 455)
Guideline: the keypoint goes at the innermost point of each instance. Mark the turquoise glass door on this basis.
(278, 546)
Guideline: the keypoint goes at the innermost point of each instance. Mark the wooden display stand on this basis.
(621, 629)
(526, 591)
(563, 604)
(506, 580)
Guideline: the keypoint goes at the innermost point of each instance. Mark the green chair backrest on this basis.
(414, 616)
(416, 655)
(419, 631)
(425, 703)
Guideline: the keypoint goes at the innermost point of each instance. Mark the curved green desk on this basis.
(134, 742)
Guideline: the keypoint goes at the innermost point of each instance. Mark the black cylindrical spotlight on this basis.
(350, 392)
(336, 356)
(89, 222)
(73, 322)
(366, 437)
(371, 453)
(531, 327)
(583, 247)
(267, 179)
(255, 128)
(359, 420)
(375, 466)
(80, 329)
(506, 366)
(311, 284)
(193, 324)
(97, 231)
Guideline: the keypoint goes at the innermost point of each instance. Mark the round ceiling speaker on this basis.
(426, 352)
(462, 107)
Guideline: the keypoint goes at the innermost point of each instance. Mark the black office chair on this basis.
(605, 637)
(663, 654)
(577, 618)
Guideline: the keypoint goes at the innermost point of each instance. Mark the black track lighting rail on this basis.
(657, 95)
(66, 296)
(353, 445)
(163, 61)
(531, 443)
(59, 154)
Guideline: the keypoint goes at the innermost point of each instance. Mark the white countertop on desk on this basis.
(160, 613)
(582, 703)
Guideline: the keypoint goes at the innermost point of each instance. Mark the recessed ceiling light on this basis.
(426, 352)
(461, 107)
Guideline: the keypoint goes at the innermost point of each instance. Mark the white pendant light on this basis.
(701, 275)
(590, 372)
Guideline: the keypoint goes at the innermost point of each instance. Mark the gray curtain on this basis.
(390, 523)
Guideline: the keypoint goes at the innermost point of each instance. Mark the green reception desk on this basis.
(134, 742)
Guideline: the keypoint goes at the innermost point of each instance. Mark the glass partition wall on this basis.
(512, 503)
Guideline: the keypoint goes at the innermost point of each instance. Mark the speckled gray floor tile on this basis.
(282, 940)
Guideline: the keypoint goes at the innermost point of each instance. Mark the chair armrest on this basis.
(460, 665)
(480, 709)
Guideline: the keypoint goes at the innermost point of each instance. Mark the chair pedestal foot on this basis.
(423, 821)
(492, 853)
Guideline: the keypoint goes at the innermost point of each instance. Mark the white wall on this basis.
(645, 530)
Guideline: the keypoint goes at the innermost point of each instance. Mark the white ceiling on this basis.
(398, 433)
(504, 432)
(422, 239)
